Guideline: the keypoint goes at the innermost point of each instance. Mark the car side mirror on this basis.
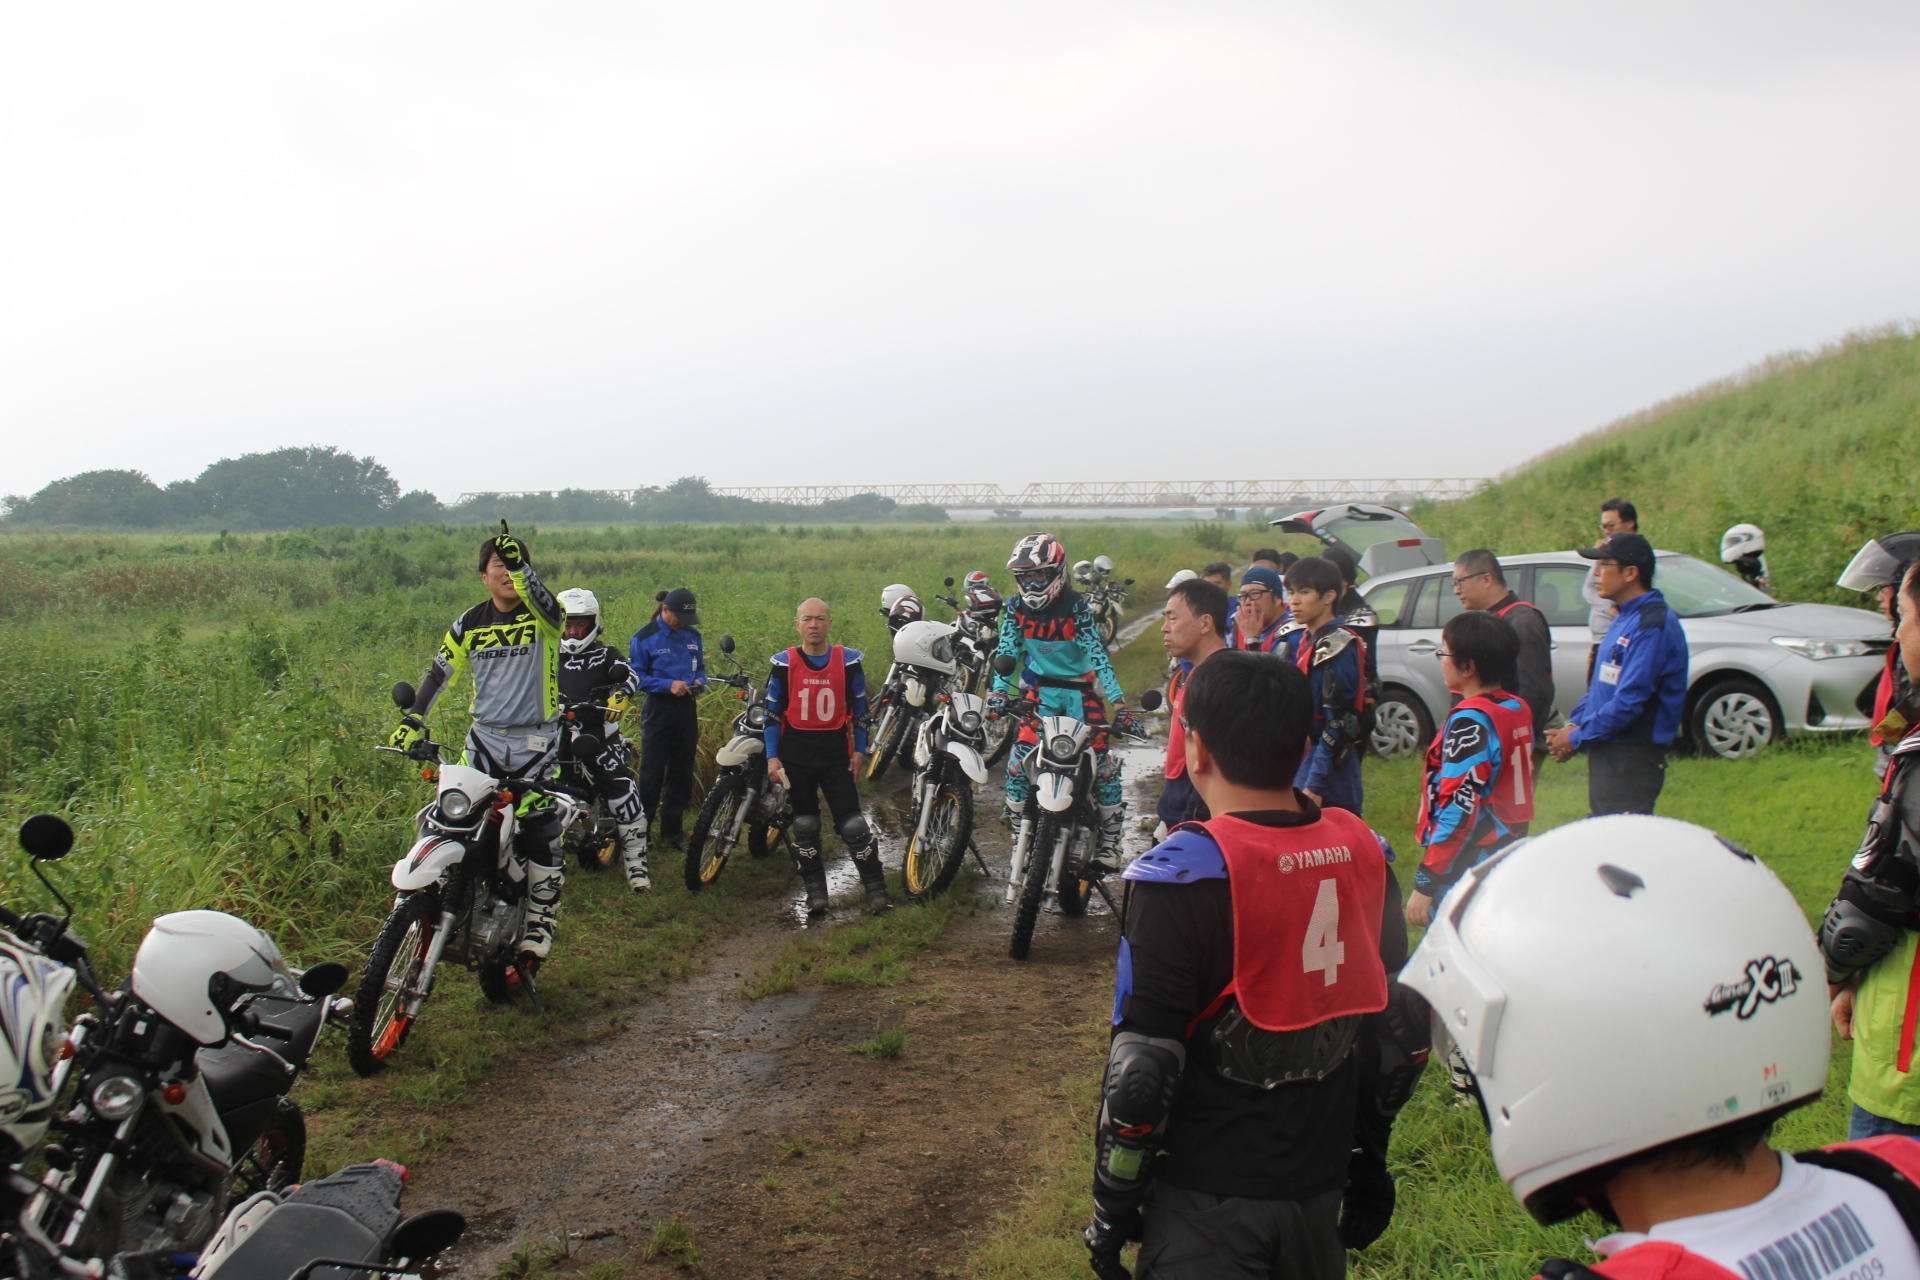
(403, 696)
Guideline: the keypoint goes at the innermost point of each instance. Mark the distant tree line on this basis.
(303, 487)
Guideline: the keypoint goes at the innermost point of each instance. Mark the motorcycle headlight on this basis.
(1820, 648)
(967, 722)
(116, 1097)
(757, 717)
(455, 806)
(1061, 747)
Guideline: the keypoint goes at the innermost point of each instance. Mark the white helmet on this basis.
(1103, 563)
(33, 1001)
(926, 644)
(194, 965)
(1185, 575)
(893, 595)
(1083, 571)
(1620, 983)
(578, 602)
(1741, 540)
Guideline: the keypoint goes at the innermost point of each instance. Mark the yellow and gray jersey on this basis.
(514, 656)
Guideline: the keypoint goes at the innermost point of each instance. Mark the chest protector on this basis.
(1512, 796)
(1891, 1164)
(1306, 946)
(816, 699)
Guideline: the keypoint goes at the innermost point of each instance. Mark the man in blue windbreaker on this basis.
(1627, 722)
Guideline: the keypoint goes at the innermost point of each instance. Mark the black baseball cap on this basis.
(680, 600)
(1623, 548)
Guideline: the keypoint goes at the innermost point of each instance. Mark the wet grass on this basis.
(867, 951)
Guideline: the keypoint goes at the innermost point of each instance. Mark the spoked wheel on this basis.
(274, 1161)
(1033, 886)
(499, 980)
(706, 854)
(763, 838)
(594, 847)
(939, 845)
(379, 1025)
(885, 742)
(1109, 627)
(1072, 892)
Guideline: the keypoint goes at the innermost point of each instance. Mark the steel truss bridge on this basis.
(1219, 495)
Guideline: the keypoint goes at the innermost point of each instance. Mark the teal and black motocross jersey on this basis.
(1057, 645)
(514, 656)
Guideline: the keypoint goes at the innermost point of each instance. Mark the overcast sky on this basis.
(608, 244)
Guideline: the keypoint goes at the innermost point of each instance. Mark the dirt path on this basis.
(784, 1152)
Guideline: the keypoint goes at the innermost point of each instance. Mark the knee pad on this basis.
(806, 830)
(855, 831)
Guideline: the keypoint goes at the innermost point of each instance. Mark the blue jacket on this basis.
(1639, 686)
(659, 655)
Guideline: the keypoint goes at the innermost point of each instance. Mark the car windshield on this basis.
(1696, 589)
(1363, 526)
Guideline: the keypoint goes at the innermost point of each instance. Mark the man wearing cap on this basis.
(1632, 709)
(670, 665)
(1262, 614)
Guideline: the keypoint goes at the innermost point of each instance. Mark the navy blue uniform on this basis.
(669, 722)
(1632, 709)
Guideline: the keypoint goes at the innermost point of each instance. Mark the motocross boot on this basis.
(633, 850)
(1106, 843)
(813, 875)
(543, 904)
(867, 862)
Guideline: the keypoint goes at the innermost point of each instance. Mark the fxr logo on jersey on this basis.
(1766, 981)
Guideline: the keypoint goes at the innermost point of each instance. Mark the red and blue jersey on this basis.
(1477, 794)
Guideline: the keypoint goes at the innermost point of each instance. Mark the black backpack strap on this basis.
(1874, 1171)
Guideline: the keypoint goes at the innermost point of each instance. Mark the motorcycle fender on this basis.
(1054, 791)
(970, 762)
(424, 864)
(739, 749)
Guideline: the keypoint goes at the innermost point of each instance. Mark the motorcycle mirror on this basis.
(726, 644)
(46, 837)
(1127, 582)
(323, 980)
(1150, 700)
(585, 744)
(949, 581)
(1004, 663)
(403, 696)
(426, 1234)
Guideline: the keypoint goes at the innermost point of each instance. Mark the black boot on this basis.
(867, 862)
(813, 876)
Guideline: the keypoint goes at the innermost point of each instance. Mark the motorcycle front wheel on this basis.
(274, 1161)
(1034, 884)
(885, 742)
(593, 846)
(706, 854)
(1072, 892)
(499, 980)
(393, 967)
(939, 845)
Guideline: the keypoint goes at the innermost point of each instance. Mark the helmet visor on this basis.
(1034, 579)
(1872, 566)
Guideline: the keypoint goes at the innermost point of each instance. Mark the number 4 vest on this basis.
(816, 699)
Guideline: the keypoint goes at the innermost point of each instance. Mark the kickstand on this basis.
(974, 849)
(527, 984)
(1106, 897)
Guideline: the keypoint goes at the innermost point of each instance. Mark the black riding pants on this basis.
(1625, 777)
(669, 736)
(817, 766)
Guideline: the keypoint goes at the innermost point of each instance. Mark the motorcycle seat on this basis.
(237, 1075)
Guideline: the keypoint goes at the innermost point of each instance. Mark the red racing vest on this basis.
(1665, 1260)
(816, 699)
(1306, 919)
(1176, 727)
(1513, 791)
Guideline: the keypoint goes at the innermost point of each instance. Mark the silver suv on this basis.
(1757, 668)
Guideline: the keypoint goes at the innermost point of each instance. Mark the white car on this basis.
(1757, 668)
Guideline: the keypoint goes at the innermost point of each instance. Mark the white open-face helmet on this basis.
(194, 965)
(1083, 571)
(1183, 575)
(893, 595)
(1617, 984)
(1741, 540)
(33, 1023)
(1880, 562)
(926, 644)
(578, 602)
(1103, 563)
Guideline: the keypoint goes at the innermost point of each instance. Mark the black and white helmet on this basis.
(1039, 569)
(901, 606)
(580, 603)
(33, 1024)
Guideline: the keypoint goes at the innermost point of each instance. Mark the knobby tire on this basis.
(376, 1029)
(939, 846)
(886, 742)
(1072, 892)
(704, 864)
(1034, 884)
(276, 1158)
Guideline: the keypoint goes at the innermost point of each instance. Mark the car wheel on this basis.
(1401, 726)
(1733, 720)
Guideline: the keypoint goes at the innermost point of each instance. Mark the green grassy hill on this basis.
(1815, 449)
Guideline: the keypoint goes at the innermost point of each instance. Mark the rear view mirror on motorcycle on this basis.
(403, 696)
(1150, 700)
(1005, 663)
(324, 979)
(46, 837)
(586, 746)
(949, 581)
(726, 644)
(426, 1234)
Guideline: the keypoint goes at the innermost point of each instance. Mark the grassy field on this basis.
(1810, 448)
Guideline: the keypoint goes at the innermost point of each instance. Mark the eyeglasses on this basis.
(1441, 653)
(1469, 577)
(1253, 593)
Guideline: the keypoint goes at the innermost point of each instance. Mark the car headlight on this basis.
(1061, 747)
(1820, 648)
(455, 806)
(116, 1097)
